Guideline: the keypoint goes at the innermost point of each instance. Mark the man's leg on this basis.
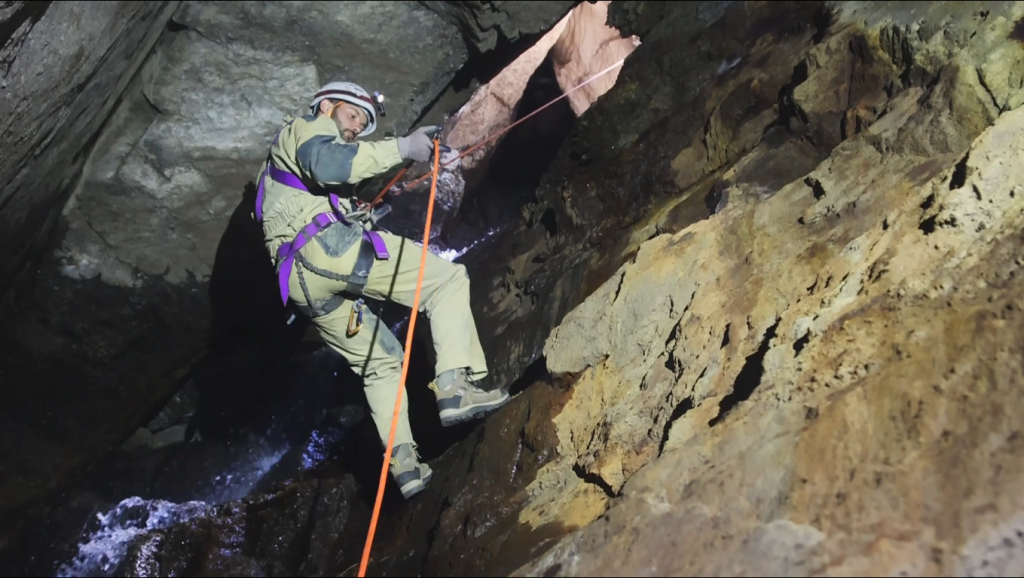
(372, 352)
(376, 356)
(444, 299)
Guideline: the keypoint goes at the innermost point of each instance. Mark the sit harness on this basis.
(372, 244)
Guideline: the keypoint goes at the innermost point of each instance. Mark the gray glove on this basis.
(419, 145)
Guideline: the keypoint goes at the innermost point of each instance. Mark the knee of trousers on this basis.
(385, 364)
(383, 371)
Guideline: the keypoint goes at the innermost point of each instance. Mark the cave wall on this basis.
(821, 376)
(586, 48)
(611, 171)
(179, 154)
(484, 24)
(154, 275)
(63, 68)
(776, 274)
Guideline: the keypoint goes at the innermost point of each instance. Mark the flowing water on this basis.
(206, 480)
(108, 534)
(233, 475)
(100, 553)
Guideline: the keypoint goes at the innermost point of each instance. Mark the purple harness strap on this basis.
(288, 251)
(320, 222)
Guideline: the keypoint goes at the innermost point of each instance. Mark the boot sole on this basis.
(456, 416)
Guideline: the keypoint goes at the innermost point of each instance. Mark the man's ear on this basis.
(325, 106)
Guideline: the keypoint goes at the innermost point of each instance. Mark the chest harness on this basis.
(371, 244)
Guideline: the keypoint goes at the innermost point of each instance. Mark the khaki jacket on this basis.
(312, 149)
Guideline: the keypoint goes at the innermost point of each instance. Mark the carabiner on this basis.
(355, 318)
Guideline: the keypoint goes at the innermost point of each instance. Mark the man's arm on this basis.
(331, 161)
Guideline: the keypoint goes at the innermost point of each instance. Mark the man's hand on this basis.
(419, 145)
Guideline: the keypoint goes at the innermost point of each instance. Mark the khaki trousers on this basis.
(374, 353)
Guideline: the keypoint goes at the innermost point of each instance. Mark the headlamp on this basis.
(378, 102)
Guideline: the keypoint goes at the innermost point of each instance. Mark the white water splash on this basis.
(100, 552)
(447, 254)
(244, 472)
(105, 548)
(323, 439)
(452, 254)
(450, 184)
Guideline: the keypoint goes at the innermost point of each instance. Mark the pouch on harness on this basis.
(371, 246)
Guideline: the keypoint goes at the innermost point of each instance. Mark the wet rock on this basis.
(190, 512)
(94, 409)
(81, 374)
(123, 531)
(651, 144)
(312, 520)
(818, 379)
(156, 538)
(485, 23)
(54, 95)
(466, 522)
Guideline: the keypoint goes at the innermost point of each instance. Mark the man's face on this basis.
(351, 119)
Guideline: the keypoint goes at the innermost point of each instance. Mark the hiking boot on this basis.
(410, 475)
(459, 401)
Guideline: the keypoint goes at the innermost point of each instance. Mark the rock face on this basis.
(319, 520)
(63, 67)
(829, 407)
(485, 23)
(613, 183)
(179, 153)
(586, 48)
(775, 272)
(155, 272)
(314, 524)
(821, 378)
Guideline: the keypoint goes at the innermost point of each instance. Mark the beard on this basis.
(347, 135)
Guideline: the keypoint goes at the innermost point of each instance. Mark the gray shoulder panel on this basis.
(326, 160)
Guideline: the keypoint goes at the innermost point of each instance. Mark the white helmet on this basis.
(351, 93)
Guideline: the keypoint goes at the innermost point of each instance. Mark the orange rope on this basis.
(498, 133)
(405, 364)
(387, 187)
(419, 286)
